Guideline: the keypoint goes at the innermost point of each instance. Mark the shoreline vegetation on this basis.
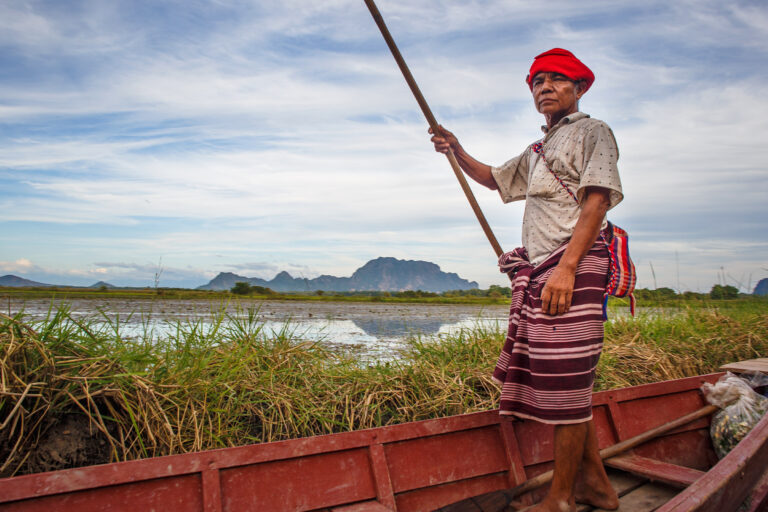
(495, 295)
(74, 392)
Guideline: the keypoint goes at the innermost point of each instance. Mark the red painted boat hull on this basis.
(410, 467)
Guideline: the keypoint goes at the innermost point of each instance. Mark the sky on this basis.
(180, 139)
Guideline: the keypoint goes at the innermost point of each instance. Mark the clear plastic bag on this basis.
(756, 380)
(740, 409)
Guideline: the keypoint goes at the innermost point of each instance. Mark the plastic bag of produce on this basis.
(740, 409)
(757, 381)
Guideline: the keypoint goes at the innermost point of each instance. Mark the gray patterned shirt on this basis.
(582, 151)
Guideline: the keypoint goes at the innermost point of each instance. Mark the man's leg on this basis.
(570, 442)
(592, 486)
(576, 448)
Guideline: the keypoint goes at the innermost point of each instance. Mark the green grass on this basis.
(225, 382)
(65, 293)
(480, 297)
(677, 342)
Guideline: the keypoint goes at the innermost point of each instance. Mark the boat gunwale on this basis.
(727, 480)
(86, 478)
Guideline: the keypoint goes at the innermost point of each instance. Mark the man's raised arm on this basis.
(476, 170)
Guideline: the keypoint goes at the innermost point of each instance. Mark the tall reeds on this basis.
(674, 343)
(227, 382)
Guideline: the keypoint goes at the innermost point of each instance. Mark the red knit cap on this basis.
(560, 61)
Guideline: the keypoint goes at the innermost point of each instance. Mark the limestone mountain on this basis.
(102, 284)
(380, 274)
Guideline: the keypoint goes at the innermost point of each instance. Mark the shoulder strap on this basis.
(538, 147)
(614, 258)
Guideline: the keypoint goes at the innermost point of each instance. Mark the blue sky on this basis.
(254, 137)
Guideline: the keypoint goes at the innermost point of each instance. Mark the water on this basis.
(373, 331)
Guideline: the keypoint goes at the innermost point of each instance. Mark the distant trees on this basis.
(718, 292)
(504, 291)
(414, 294)
(243, 288)
(663, 294)
(724, 292)
(494, 292)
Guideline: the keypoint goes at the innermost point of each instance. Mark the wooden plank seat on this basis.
(646, 498)
(655, 470)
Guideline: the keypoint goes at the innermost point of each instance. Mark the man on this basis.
(568, 182)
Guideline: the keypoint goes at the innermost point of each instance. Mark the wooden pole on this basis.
(618, 448)
(433, 124)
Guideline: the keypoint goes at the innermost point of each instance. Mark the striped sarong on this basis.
(547, 366)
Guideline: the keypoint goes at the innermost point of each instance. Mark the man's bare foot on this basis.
(599, 495)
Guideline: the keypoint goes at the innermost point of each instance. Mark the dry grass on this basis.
(681, 343)
(207, 387)
(227, 383)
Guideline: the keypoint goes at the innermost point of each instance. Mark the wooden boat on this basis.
(454, 464)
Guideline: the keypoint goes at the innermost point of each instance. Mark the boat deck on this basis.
(636, 494)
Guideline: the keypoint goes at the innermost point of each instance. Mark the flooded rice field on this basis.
(371, 330)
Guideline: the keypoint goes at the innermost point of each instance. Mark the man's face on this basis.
(554, 93)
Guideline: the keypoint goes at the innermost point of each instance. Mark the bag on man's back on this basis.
(622, 276)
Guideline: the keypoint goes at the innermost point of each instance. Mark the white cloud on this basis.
(21, 265)
(282, 134)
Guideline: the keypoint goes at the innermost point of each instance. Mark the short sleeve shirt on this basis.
(582, 151)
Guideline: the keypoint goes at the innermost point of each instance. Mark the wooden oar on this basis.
(433, 124)
(618, 448)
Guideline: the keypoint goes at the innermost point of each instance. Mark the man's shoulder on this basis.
(587, 122)
(588, 130)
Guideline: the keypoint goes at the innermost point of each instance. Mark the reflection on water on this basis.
(370, 330)
(399, 326)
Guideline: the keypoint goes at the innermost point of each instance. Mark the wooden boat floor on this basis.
(636, 494)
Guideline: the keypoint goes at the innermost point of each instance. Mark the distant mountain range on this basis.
(381, 274)
(19, 282)
(12, 281)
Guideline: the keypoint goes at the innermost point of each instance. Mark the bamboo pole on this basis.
(433, 124)
(618, 448)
